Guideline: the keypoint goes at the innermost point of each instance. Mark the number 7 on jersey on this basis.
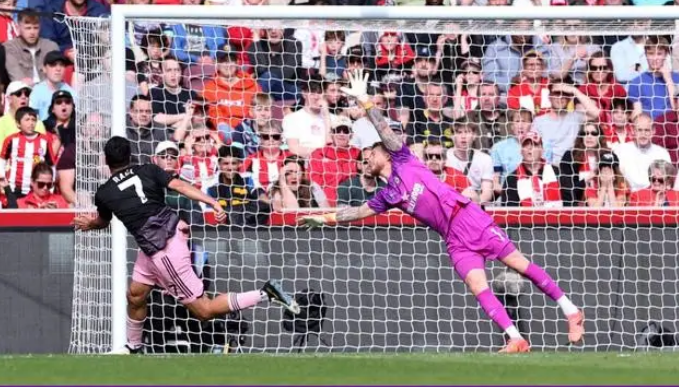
(138, 188)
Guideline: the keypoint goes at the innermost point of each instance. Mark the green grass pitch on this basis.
(534, 368)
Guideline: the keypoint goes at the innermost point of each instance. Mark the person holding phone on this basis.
(41, 196)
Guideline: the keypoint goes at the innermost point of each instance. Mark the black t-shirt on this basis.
(164, 102)
(134, 195)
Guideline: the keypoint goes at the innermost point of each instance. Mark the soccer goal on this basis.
(385, 285)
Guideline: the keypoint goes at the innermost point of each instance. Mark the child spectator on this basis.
(393, 55)
(149, 71)
(617, 128)
(41, 96)
(23, 150)
(199, 164)
(332, 60)
(293, 190)
(506, 154)
(265, 164)
(309, 128)
(40, 195)
(477, 166)
(659, 193)
(608, 187)
(246, 134)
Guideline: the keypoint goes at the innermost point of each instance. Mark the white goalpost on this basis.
(387, 287)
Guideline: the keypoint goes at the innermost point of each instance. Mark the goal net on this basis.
(247, 95)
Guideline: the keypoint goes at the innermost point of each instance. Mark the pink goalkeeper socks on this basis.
(240, 301)
(543, 281)
(494, 309)
(134, 332)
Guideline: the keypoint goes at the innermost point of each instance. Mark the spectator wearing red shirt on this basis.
(199, 165)
(21, 151)
(334, 163)
(659, 193)
(40, 196)
(619, 129)
(393, 54)
(530, 90)
(266, 163)
(608, 188)
(666, 133)
(601, 85)
(8, 28)
(467, 88)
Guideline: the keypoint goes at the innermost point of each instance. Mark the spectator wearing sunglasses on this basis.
(18, 94)
(265, 164)
(659, 193)
(41, 196)
(330, 165)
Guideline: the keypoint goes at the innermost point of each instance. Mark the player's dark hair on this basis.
(230, 151)
(118, 153)
(25, 111)
(41, 169)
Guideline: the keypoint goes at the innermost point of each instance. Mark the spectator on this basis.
(364, 133)
(490, 117)
(601, 85)
(386, 98)
(394, 55)
(266, 163)
(506, 154)
(579, 165)
(28, 51)
(60, 123)
(430, 120)
(568, 55)
(149, 71)
(467, 86)
(362, 186)
(21, 151)
(8, 28)
(635, 157)
(309, 128)
(66, 174)
(559, 128)
(18, 94)
(629, 55)
(237, 193)
(276, 61)
(618, 129)
(531, 90)
(608, 187)
(334, 163)
(293, 190)
(196, 43)
(332, 60)
(666, 133)
(230, 93)
(199, 163)
(171, 103)
(337, 103)
(166, 156)
(452, 50)
(659, 193)
(246, 134)
(40, 195)
(41, 96)
(58, 31)
(535, 183)
(477, 166)
(411, 90)
(310, 41)
(144, 134)
(653, 91)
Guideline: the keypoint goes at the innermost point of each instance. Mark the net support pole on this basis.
(118, 232)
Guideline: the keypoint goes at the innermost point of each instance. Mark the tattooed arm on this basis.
(344, 215)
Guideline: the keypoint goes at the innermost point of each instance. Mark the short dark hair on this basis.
(139, 97)
(28, 15)
(230, 151)
(313, 85)
(623, 103)
(24, 111)
(41, 168)
(330, 35)
(117, 151)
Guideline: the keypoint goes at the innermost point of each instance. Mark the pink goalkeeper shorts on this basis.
(171, 268)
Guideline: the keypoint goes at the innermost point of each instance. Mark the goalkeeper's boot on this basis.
(516, 346)
(127, 350)
(576, 326)
(274, 290)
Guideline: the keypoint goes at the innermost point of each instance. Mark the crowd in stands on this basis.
(257, 119)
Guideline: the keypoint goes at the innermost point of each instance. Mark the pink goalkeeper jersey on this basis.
(414, 189)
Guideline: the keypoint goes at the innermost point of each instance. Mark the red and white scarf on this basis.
(540, 190)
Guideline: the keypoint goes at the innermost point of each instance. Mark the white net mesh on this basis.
(268, 90)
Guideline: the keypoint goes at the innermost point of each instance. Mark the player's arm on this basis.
(344, 215)
(359, 90)
(194, 193)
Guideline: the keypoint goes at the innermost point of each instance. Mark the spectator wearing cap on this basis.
(490, 117)
(61, 120)
(502, 58)
(530, 89)
(653, 91)
(568, 54)
(535, 183)
(393, 55)
(452, 50)
(58, 31)
(506, 154)
(477, 166)
(172, 103)
(276, 60)
(361, 187)
(334, 163)
(660, 192)
(356, 60)
(579, 165)
(144, 134)
(636, 157)
(40, 195)
(196, 43)
(309, 128)
(332, 60)
(166, 156)
(27, 52)
(608, 188)
(265, 165)
(41, 96)
(559, 128)
(247, 134)
(467, 85)
(17, 94)
(230, 94)
(294, 190)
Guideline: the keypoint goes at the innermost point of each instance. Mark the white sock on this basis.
(513, 333)
(567, 306)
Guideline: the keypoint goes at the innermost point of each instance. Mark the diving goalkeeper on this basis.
(470, 233)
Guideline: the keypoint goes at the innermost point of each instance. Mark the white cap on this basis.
(16, 86)
(166, 145)
(338, 121)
